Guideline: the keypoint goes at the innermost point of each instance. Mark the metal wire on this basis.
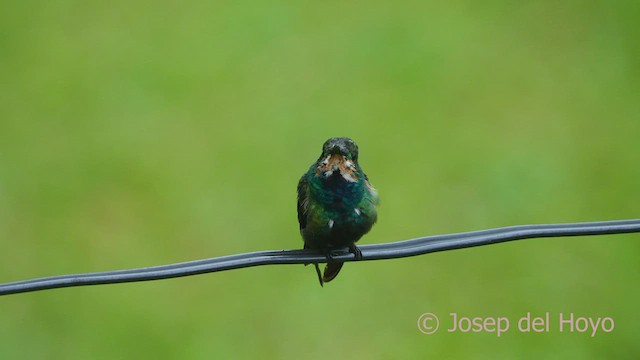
(399, 249)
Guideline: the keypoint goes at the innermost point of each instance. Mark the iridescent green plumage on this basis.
(336, 202)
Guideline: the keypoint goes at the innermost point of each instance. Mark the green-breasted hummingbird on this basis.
(336, 203)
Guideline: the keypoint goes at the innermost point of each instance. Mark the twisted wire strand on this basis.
(399, 249)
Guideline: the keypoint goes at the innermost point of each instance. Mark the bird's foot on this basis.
(355, 251)
(328, 253)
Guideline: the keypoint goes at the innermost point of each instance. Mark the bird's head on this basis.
(338, 154)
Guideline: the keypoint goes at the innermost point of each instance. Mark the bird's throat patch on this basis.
(336, 162)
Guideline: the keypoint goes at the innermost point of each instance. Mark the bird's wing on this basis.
(373, 193)
(303, 201)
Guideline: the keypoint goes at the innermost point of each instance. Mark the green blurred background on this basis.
(144, 133)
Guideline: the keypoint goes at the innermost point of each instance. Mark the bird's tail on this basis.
(331, 270)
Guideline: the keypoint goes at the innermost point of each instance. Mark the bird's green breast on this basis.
(339, 211)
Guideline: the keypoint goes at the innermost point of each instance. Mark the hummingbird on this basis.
(336, 204)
